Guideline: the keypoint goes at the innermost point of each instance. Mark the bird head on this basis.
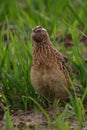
(39, 34)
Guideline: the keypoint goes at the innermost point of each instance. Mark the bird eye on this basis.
(38, 31)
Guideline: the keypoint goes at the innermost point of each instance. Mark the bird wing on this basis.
(62, 62)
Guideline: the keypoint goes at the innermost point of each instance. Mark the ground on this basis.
(35, 119)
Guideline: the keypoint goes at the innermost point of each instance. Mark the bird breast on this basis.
(46, 74)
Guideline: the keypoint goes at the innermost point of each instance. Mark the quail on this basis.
(49, 75)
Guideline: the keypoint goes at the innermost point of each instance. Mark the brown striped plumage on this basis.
(49, 75)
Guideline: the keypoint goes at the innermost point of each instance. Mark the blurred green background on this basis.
(17, 18)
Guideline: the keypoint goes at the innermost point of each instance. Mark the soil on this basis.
(34, 118)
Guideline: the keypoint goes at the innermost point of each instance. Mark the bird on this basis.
(49, 74)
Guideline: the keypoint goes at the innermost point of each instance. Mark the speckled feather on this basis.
(48, 73)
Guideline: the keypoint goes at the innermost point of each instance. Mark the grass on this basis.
(16, 54)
